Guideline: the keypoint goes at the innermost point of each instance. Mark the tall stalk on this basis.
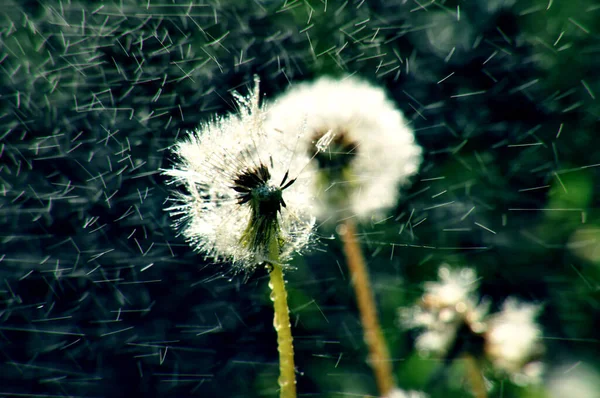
(281, 322)
(379, 358)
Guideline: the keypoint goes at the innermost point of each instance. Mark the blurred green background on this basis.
(98, 295)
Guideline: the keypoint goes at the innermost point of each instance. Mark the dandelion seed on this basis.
(362, 147)
(241, 189)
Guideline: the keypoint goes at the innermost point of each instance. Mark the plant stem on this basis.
(379, 359)
(281, 322)
(475, 377)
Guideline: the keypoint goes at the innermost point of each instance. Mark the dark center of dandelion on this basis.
(250, 179)
(254, 187)
(339, 153)
(268, 200)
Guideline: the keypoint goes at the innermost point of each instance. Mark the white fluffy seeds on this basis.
(451, 313)
(367, 148)
(513, 341)
(446, 305)
(231, 167)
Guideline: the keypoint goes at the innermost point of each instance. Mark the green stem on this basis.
(281, 322)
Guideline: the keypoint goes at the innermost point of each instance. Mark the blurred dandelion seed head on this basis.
(446, 305)
(451, 315)
(513, 341)
(455, 288)
(361, 146)
(243, 186)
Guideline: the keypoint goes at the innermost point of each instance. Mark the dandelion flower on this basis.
(513, 341)
(455, 321)
(245, 202)
(446, 306)
(360, 142)
(241, 188)
(362, 151)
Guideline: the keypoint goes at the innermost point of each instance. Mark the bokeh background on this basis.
(100, 298)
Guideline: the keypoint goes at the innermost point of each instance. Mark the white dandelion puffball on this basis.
(242, 189)
(446, 305)
(357, 137)
(455, 289)
(513, 341)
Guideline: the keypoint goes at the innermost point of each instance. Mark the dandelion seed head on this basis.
(243, 188)
(512, 341)
(454, 289)
(446, 305)
(451, 311)
(359, 140)
(435, 341)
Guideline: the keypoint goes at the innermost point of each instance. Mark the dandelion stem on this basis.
(475, 377)
(281, 322)
(378, 354)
